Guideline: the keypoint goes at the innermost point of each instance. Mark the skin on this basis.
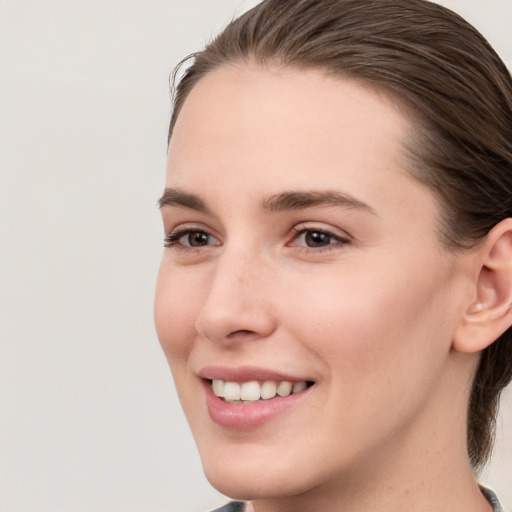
(370, 316)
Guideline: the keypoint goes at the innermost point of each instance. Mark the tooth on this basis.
(299, 386)
(235, 392)
(268, 390)
(218, 388)
(231, 391)
(284, 388)
(250, 391)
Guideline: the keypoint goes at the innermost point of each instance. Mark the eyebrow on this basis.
(176, 197)
(297, 200)
(283, 201)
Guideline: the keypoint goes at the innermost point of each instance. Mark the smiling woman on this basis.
(335, 295)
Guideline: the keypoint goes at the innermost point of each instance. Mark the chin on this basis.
(246, 488)
(264, 479)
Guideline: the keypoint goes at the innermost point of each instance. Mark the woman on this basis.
(335, 296)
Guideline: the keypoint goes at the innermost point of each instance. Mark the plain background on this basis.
(89, 420)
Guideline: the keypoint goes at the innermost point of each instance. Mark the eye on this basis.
(317, 238)
(190, 238)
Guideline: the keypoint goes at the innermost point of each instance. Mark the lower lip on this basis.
(249, 416)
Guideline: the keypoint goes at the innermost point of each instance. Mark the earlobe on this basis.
(490, 313)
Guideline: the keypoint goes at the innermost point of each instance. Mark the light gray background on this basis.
(89, 420)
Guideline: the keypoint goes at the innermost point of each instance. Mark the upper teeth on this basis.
(252, 391)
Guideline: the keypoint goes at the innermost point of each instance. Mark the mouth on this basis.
(251, 392)
(246, 397)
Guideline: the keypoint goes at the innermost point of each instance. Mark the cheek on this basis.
(175, 313)
(368, 325)
(376, 346)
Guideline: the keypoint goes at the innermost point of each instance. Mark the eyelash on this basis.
(299, 231)
(173, 239)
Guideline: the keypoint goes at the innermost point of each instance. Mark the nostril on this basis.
(241, 332)
(224, 318)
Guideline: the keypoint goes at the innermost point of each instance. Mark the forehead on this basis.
(282, 129)
(285, 101)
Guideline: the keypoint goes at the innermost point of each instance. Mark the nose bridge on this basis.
(237, 304)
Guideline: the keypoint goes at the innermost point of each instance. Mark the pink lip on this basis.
(245, 374)
(246, 417)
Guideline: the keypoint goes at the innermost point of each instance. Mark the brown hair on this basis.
(447, 77)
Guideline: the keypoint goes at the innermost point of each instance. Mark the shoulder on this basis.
(234, 506)
(492, 498)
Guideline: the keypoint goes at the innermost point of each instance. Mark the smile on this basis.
(253, 391)
(246, 397)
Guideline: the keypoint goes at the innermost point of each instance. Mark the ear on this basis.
(490, 313)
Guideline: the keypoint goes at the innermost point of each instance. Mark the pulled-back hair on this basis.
(451, 84)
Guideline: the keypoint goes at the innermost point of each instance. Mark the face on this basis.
(301, 260)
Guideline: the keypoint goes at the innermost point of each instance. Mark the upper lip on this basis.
(245, 374)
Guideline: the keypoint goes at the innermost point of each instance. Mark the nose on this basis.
(238, 304)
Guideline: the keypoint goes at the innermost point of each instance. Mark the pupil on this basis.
(197, 239)
(317, 239)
